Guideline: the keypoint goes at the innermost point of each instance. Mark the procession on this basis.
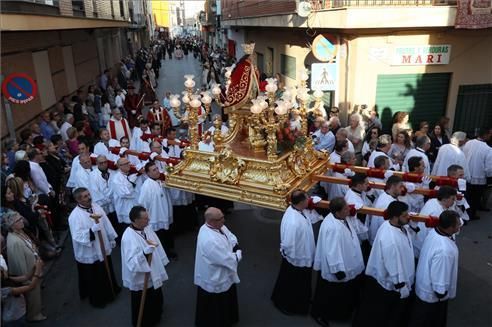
(190, 184)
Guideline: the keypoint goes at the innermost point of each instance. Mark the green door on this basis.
(423, 96)
(473, 108)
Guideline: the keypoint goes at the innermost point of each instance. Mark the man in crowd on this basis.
(390, 272)
(69, 121)
(292, 291)
(118, 126)
(155, 197)
(422, 144)
(324, 139)
(437, 273)
(339, 259)
(83, 175)
(451, 154)
(382, 149)
(37, 174)
(93, 239)
(216, 261)
(143, 258)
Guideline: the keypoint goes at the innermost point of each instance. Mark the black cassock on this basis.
(429, 314)
(292, 291)
(216, 309)
(335, 301)
(380, 307)
(152, 309)
(94, 283)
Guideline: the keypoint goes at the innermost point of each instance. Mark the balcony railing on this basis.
(331, 4)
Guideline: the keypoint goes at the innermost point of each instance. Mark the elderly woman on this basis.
(356, 134)
(23, 255)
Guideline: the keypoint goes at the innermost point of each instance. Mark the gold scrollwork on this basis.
(226, 168)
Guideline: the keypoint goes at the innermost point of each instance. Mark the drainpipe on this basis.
(347, 57)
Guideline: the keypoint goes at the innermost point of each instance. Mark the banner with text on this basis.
(421, 55)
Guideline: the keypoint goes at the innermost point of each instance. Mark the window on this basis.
(260, 62)
(122, 9)
(288, 66)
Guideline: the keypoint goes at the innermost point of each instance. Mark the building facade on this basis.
(64, 45)
(389, 55)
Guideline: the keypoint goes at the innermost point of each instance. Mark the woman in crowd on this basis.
(423, 130)
(400, 147)
(56, 121)
(23, 255)
(438, 137)
(73, 142)
(22, 170)
(372, 135)
(400, 123)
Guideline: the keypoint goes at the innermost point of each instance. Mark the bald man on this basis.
(216, 261)
(82, 176)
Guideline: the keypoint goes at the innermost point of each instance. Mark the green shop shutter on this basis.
(473, 108)
(423, 96)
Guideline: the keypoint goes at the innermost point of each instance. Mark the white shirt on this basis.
(450, 154)
(39, 178)
(476, 153)
(134, 264)
(391, 260)
(101, 149)
(155, 197)
(100, 190)
(337, 190)
(437, 270)
(63, 130)
(124, 196)
(215, 263)
(417, 153)
(80, 223)
(297, 237)
(374, 222)
(338, 249)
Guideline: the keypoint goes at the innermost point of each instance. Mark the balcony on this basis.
(38, 7)
(334, 4)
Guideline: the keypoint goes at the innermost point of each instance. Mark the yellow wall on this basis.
(160, 10)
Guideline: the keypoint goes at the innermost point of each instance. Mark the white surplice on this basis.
(136, 143)
(392, 260)
(374, 222)
(338, 249)
(171, 150)
(476, 153)
(134, 264)
(337, 190)
(101, 149)
(124, 196)
(359, 201)
(431, 208)
(155, 197)
(296, 236)
(80, 223)
(100, 190)
(215, 263)
(450, 154)
(82, 178)
(374, 155)
(437, 270)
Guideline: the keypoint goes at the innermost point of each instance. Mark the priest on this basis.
(292, 291)
(437, 273)
(133, 105)
(339, 259)
(158, 114)
(216, 261)
(93, 239)
(143, 258)
(123, 189)
(118, 126)
(392, 190)
(390, 273)
(446, 198)
(451, 154)
(156, 198)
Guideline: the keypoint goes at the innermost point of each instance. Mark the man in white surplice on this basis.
(106, 142)
(292, 291)
(451, 154)
(123, 190)
(155, 197)
(437, 273)
(393, 189)
(339, 258)
(446, 198)
(99, 187)
(390, 272)
(82, 176)
(139, 242)
(95, 282)
(216, 261)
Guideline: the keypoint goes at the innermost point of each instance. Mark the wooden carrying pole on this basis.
(144, 292)
(103, 252)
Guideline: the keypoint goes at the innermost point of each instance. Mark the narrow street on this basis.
(258, 233)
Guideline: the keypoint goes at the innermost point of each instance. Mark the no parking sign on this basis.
(19, 88)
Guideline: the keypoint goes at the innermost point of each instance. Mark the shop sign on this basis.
(324, 76)
(421, 55)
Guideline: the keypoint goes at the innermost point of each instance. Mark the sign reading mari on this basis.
(421, 55)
